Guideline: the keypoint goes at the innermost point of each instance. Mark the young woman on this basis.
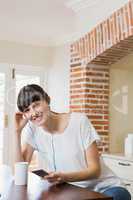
(65, 141)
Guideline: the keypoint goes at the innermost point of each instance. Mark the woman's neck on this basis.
(56, 122)
(52, 123)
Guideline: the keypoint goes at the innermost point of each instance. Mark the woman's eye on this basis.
(37, 104)
(26, 110)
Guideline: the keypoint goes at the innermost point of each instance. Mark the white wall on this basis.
(16, 53)
(58, 79)
(121, 102)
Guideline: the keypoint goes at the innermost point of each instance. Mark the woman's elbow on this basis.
(97, 172)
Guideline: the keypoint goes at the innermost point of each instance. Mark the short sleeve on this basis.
(88, 132)
(28, 136)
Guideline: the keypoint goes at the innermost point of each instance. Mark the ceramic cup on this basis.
(21, 173)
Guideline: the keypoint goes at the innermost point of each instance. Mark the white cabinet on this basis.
(122, 166)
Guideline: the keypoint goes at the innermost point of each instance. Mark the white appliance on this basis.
(129, 145)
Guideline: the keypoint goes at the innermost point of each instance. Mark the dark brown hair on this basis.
(29, 94)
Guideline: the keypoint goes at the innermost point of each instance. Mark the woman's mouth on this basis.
(37, 117)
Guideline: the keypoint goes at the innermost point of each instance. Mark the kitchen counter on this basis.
(120, 156)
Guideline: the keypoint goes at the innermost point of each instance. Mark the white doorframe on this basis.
(5, 69)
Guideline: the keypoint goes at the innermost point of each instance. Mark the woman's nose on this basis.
(34, 113)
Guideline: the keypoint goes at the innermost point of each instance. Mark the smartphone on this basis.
(40, 172)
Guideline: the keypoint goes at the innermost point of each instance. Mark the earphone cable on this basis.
(53, 149)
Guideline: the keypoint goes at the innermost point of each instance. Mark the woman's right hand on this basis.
(20, 122)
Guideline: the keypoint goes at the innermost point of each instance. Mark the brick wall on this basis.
(89, 93)
(91, 56)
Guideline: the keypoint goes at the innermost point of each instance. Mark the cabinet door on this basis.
(123, 169)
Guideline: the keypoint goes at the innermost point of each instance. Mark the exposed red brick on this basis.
(103, 133)
(99, 80)
(98, 127)
(76, 65)
(99, 86)
(79, 69)
(76, 107)
(100, 91)
(100, 69)
(78, 91)
(100, 122)
(76, 75)
(76, 110)
(93, 106)
(106, 87)
(79, 80)
(76, 86)
(93, 74)
(95, 117)
(106, 117)
(76, 101)
(106, 127)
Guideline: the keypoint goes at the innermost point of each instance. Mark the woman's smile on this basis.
(37, 117)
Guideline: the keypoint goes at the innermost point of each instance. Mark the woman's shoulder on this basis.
(79, 115)
(74, 114)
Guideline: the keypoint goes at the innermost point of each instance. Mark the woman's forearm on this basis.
(17, 148)
(82, 175)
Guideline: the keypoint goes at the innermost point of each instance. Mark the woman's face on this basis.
(37, 112)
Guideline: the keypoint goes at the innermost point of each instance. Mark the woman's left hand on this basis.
(55, 177)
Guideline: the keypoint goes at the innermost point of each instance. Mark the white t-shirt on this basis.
(65, 152)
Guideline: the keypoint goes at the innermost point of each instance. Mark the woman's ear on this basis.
(48, 100)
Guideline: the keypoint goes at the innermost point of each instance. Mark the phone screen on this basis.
(40, 172)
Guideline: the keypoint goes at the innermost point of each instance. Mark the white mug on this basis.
(21, 173)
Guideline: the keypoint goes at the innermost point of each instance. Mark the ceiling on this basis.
(41, 22)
